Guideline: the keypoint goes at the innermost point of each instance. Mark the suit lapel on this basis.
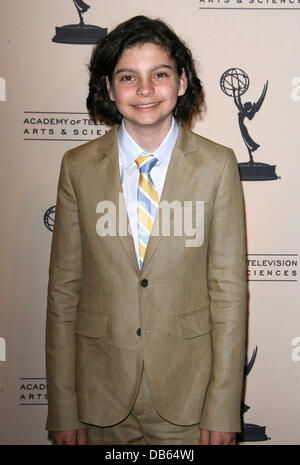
(178, 174)
(110, 183)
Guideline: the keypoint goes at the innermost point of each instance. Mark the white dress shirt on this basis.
(129, 150)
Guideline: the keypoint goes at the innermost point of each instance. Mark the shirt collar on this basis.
(129, 150)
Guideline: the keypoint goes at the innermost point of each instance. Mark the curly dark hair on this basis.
(140, 30)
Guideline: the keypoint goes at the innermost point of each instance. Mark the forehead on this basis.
(143, 54)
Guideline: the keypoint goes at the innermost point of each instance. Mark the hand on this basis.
(215, 438)
(68, 438)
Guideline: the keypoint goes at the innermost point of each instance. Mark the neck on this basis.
(148, 138)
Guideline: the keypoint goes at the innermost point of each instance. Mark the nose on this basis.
(145, 88)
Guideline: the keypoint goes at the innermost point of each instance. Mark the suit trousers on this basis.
(144, 426)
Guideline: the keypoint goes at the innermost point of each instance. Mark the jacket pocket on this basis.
(195, 323)
(91, 324)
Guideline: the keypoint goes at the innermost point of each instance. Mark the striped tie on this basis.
(147, 203)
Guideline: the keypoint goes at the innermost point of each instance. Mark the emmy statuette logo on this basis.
(49, 218)
(249, 431)
(2, 89)
(234, 83)
(79, 33)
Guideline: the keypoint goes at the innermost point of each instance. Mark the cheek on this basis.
(122, 96)
(171, 92)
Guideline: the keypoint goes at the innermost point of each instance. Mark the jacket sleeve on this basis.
(227, 296)
(63, 299)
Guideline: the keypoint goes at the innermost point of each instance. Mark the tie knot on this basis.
(145, 163)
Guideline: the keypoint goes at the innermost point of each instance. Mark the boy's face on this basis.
(145, 87)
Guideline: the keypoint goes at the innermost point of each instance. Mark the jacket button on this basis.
(139, 331)
(144, 282)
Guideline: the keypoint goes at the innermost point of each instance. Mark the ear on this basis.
(109, 89)
(183, 83)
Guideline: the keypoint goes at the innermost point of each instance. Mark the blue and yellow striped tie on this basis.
(147, 203)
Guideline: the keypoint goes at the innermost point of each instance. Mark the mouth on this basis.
(147, 106)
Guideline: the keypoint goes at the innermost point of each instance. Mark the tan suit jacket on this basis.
(189, 302)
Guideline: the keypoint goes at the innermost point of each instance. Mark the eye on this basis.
(127, 78)
(161, 74)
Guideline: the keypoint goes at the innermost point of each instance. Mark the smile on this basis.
(149, 105)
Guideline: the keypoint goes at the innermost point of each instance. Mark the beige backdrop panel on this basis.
(40, 79)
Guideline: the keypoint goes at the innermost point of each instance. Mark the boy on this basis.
(145, 331)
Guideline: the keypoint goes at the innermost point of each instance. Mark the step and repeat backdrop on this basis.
(248, 58)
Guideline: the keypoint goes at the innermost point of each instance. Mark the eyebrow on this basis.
(131, 70)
